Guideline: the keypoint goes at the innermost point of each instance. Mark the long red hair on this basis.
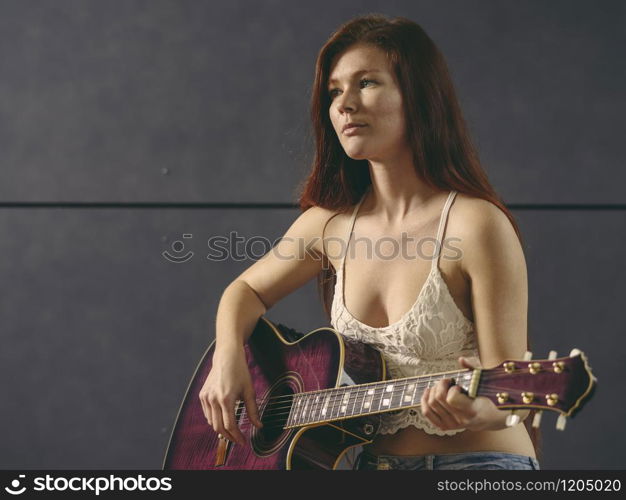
(443, 152)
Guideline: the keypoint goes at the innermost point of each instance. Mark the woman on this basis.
(394, 159)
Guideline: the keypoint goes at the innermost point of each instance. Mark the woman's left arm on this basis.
(494, 264)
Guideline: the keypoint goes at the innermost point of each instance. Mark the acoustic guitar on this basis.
(321, 394)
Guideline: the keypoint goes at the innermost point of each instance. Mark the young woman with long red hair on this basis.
(394, 160)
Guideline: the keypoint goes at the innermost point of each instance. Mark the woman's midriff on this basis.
(413, 441)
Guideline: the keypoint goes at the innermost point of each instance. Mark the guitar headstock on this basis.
(562, 385)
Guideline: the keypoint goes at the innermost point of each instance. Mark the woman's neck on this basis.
(396, 191)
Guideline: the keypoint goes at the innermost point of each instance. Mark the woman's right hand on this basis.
(228, 381)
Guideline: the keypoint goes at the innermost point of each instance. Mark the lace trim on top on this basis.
(427, 339)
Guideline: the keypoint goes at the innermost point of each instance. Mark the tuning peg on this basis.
(552, 355)
(512, 419)
(574, 352)
(528, 356)
(537, 419)
(560, 422)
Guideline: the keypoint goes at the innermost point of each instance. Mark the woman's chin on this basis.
(357, 154)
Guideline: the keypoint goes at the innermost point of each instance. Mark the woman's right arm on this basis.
(293, 261)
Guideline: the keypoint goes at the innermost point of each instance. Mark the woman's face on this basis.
(369, 97)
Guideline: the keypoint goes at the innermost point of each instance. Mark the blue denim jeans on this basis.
(476, 460)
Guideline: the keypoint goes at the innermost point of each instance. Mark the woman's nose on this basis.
(346, 105)
(347, 102)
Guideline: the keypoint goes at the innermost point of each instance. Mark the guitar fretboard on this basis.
(365, 399)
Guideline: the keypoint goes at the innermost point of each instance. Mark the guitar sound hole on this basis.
(275, 415)
(274, 412)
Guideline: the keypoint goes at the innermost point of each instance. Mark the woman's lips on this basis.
(353, 130)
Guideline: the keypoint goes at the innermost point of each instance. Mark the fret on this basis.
(387, 396)
(336, 401)
(297, 403)
(408, 399)
(414, 390)
(414, 396)
(430, 380)
(402, 394)
(357, 393)
(321, 407)
(384, 391)
(366, 400)
(305, 416)
(293, 413)
(319, 404)
(297, 415)
(331, 405)
(377, 399)
(398, 394)
(323, 410)
(315, 407)
(293, 410)
(343, 408)
(291, 416)
(354, 397)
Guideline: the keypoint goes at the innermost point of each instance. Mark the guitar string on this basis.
(359, 390)
(485, 377)
(336, 401)
(280, 411)
(274, 422)
(275, 413)
(370, 385)
(272, 417)
(339, 396)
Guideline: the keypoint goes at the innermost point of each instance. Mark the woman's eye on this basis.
(331, 93)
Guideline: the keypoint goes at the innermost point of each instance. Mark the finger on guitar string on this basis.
(218, 425)
(251, 407)
(439, 411)
(230, 424)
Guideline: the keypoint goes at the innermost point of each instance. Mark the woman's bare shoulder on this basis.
(331, 221)
(319, 217)
(317, 223)
(471, 215)
(483, 231)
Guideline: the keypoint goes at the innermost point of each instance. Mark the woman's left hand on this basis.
(448, 408)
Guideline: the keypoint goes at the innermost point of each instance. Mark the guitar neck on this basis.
(353, 401)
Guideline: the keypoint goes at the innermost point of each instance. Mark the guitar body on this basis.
(281, 363)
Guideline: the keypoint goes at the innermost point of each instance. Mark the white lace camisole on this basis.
(427, 339)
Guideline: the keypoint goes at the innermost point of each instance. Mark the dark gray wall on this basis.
(172, 102)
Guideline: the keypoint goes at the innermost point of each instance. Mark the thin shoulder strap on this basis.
(352, 219)
(442, 225)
